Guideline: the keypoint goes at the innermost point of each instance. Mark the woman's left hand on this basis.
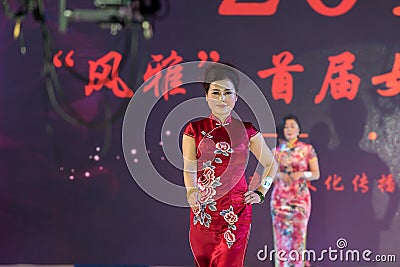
(251, 197)
(296, 175)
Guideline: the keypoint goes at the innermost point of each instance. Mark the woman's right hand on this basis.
(286, 179)
(193, 199)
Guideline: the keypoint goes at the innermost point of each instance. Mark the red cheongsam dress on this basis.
(220, 224)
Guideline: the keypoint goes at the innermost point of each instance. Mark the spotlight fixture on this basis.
(114, 15)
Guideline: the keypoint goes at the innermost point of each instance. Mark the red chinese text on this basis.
(390, 79)
(104, 72)
(282, 82)
(333, 182)
(345, 84)
(310, 186)
(168, 80)
(386, 183)
(360, 183)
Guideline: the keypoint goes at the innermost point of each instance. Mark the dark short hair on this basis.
(217, 72)
(290, 117)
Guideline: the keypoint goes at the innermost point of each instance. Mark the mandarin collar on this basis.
(227, 121)
(292, 144)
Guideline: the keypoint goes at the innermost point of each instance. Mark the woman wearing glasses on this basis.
(215, 151)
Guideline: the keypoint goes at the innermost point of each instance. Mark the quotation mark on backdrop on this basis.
(68, 59)
(203, 56)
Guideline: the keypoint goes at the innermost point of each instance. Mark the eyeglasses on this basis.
(216, 94)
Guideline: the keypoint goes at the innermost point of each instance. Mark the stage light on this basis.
(114, 15)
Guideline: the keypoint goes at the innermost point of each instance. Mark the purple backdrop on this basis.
(50, 212)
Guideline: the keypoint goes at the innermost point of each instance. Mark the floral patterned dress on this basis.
(291, 204)
(220, 225)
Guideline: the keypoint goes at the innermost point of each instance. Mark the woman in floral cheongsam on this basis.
(215, 151)
(291, 200)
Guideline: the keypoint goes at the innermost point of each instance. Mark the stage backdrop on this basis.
(66, 194)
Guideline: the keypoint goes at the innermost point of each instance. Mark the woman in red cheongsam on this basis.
(291, 200)
(215, 151)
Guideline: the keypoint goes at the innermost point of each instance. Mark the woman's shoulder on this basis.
(247, 124)
(248, 127)
(198, 121)
(302, 143)
(193, 127)
(305, 144)
(196, 124)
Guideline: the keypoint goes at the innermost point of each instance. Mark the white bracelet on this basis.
(267, 182)
(307, 175)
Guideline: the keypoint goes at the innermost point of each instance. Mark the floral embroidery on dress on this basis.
(206, 183)
(229, 237)
(231, 218)
(223, 148)
(207, 178)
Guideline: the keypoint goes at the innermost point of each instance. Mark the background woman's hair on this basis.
(290, 117)
(217, 72)
(280, 136)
